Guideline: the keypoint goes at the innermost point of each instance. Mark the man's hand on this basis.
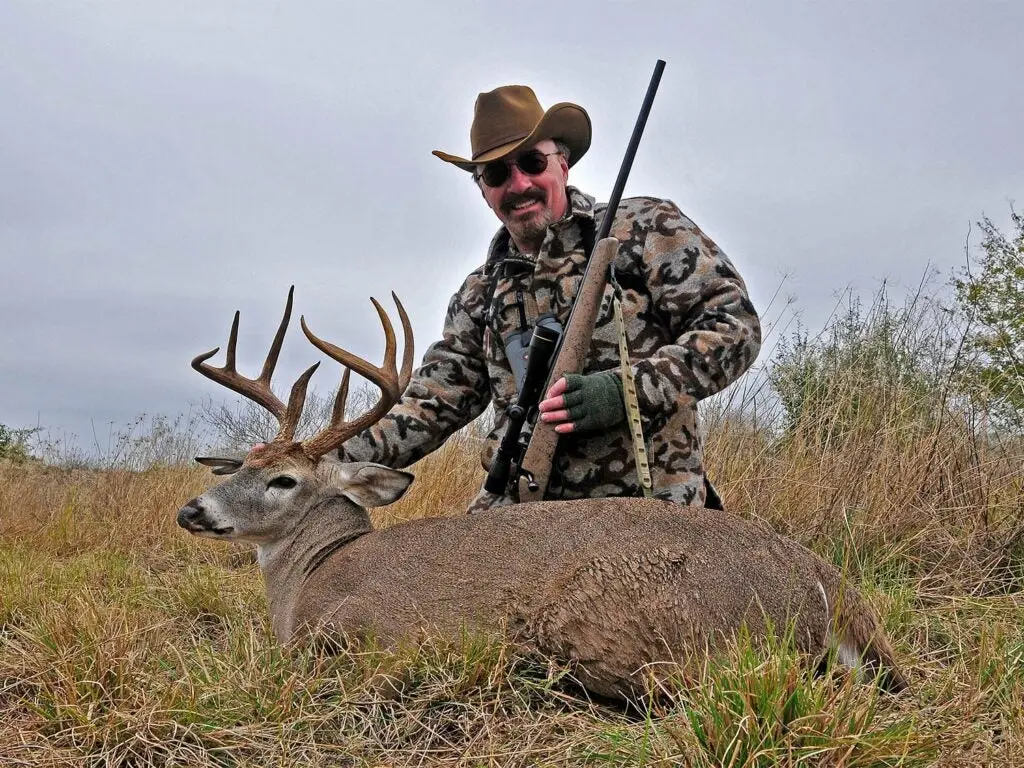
(583, 404)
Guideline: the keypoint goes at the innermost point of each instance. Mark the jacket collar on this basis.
(502, 249)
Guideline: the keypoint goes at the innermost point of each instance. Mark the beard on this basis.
(532, 228)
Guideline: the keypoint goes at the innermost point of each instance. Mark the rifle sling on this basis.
(636, 429)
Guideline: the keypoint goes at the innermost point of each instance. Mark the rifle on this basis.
(528, 467)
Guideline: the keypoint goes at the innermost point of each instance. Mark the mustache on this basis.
(514, 198)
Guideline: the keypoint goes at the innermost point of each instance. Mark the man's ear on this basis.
(371, 485)
(222, 465)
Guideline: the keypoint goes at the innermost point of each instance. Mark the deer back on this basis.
(603, 565)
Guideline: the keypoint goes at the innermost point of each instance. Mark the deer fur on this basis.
(610, 586)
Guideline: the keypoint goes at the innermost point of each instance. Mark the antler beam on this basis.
(390, 381)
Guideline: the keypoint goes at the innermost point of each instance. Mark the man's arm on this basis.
(699, 293)
(446, 392)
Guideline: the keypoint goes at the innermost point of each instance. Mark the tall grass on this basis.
(868, 452)
(124, 641)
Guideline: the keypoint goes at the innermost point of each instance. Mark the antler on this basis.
(391, 382)
(258, 390)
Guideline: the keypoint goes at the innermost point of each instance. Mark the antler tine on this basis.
(296, 400)
(408, 350)
(341, 399)
(390, 343)
(229, 357)
(258, 390)
(386, 377)
(229, 362)
(275, 347)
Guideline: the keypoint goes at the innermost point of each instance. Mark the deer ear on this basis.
(372, 485)
(222, 465)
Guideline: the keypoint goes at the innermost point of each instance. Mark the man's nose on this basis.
(517, 180)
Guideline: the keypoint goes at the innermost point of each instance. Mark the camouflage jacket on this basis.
(690, 326)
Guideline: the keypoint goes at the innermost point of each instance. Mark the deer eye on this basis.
(282, 482)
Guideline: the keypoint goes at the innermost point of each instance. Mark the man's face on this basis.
(527, 204)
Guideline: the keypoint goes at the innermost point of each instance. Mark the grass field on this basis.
(125, 641)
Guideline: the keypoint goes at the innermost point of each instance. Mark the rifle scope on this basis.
(538, 360)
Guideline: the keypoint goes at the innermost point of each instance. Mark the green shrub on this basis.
(14, 443)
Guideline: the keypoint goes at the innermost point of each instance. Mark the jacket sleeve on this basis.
(447, 391)
(701, 298)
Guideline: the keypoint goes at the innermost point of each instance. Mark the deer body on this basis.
(612, 586)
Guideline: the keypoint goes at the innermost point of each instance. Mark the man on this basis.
(691, 327)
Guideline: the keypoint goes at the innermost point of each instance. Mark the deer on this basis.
(615, 589)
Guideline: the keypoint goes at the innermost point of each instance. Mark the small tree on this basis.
(14, 444)
(992, 294)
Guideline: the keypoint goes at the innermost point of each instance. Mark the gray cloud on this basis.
(162, 164)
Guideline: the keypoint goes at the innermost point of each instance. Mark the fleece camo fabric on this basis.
(691, 328)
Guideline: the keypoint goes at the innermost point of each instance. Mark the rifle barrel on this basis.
(627, 160)
(619, 186)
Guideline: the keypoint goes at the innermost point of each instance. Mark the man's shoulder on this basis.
(642, 201)
(645, 214)
(643, 207)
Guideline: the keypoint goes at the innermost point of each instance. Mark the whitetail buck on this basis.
(610, 586)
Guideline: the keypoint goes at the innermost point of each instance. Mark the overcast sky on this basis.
(165, 163)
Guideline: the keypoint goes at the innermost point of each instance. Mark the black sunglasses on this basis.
(531, 163)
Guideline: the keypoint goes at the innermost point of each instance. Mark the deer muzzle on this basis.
(194, 518)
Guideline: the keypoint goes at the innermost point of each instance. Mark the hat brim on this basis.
(564, 121)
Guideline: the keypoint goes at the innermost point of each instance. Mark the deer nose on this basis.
(190, 514)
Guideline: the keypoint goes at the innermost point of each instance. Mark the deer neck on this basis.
(287, 563)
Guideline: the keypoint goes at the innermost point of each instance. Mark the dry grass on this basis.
(124, 641)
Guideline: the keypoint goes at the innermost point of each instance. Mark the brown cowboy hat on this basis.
(510, 117)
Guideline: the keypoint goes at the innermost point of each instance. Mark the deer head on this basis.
(273, 489)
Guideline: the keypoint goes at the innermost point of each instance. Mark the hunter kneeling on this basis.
(690, 327)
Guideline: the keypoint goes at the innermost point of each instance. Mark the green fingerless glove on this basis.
(594, 401)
